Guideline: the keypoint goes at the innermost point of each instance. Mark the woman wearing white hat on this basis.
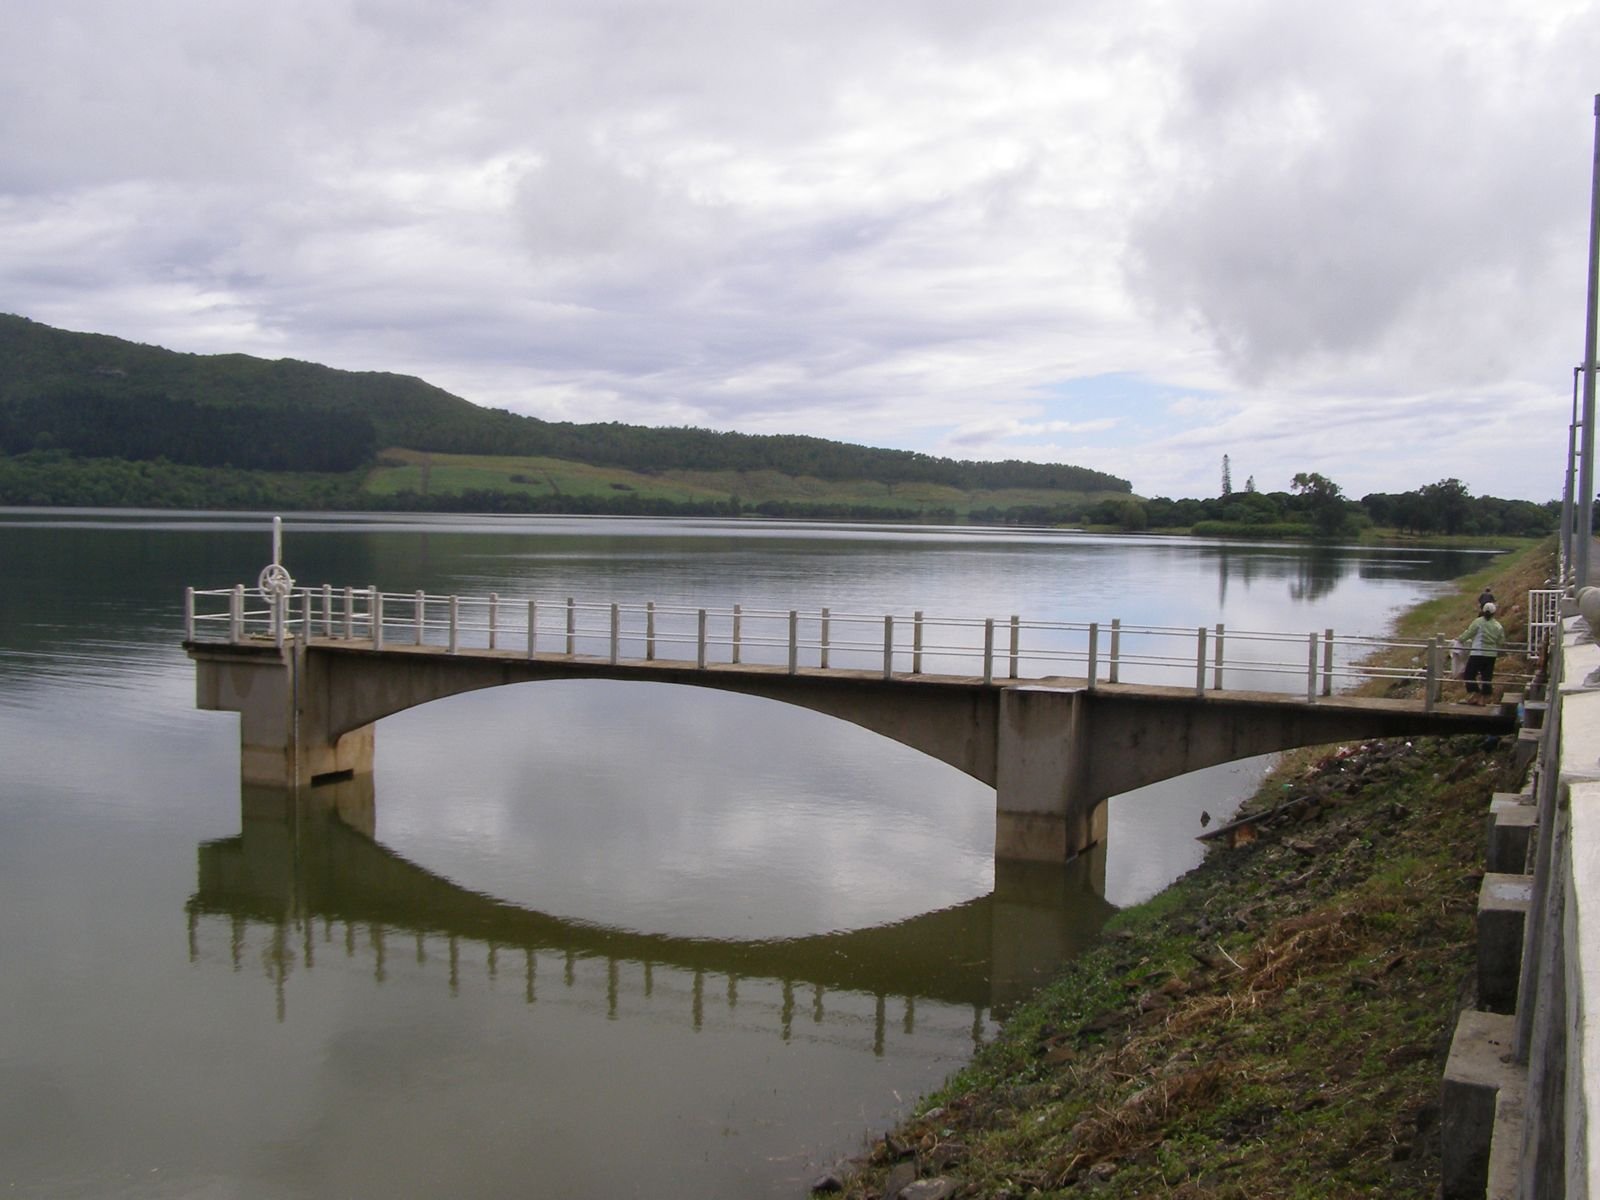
(1484, 639)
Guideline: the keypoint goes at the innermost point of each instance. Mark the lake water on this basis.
(577, 938)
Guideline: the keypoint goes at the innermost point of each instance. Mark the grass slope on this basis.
(1275, 1024)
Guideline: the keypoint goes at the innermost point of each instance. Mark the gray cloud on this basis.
(898, 223)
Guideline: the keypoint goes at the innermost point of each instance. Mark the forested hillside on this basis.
(93, 396)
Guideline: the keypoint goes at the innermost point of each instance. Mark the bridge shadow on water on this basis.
(306, 878)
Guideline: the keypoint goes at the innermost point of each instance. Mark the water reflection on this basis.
(305, 878)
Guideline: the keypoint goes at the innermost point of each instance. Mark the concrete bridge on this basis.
(309, 686)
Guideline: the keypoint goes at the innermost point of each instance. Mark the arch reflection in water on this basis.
(305, 878)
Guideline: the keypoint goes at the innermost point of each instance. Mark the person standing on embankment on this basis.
(1484, 639)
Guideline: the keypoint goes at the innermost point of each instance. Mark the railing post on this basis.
(700, 642)
(494, 619)
(1431, 681)
(1200, 661)
(794, 641)
(533, 626)
(422, 608)
(888, 646)
(988, 650)
(650, 631)
(376, 609)
(916, 642)
(280, 618)
(1216, 659)
(327, 610)
(349, 614)
(1327, 662)
(738, 619)
(616, 630)
(1016, 640)
(572, 627)
(188, 614)
(1116, 648)
(1094, 652)
(1311, 667)
(823, 662)
(455, 624)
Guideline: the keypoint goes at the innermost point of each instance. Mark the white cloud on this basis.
(1354, 237)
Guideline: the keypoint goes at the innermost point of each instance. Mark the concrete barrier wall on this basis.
(1521, 1094)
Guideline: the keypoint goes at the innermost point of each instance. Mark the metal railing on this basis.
(1319, 663)
(1544, 617)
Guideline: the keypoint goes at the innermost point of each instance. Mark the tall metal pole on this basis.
(1568, 486)
(1586, 465)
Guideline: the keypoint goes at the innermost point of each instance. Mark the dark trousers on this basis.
(1479, 674)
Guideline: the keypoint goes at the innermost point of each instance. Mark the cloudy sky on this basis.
(1134, 235)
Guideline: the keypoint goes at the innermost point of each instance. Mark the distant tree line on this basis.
(1317, 508)
(87, 422)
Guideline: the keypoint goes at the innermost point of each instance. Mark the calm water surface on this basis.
(578, 938)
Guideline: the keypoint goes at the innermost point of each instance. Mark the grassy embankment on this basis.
(1275, 1024)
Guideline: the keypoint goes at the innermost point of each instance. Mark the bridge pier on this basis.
(1043, 810)
(283, 740)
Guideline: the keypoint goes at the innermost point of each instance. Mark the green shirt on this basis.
(1485, 637)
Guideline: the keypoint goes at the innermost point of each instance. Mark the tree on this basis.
(1227, 477)
(1325, 503)
(1448, 503)
(1250, 485)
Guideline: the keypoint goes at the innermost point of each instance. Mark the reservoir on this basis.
(575, 938)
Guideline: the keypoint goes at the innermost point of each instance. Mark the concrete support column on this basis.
(1042, 810)
(283, 731)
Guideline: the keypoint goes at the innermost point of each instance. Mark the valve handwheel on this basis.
(275, 582)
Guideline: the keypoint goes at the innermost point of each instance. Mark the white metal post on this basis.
(375, 607)
(455, 624)
(1216, 659)
(916, 642)
(1016, 640)
(824, 654)
(533, 627)
(1200, 661)
(888, 647)
(794, 641)
(280, 617)
(494, 619)
(988, 650)
(1311, 667)
(1116, 648)
(616, 630)
(650, 631)
(1094, 652)
(349, 614)
(738, 618)
(1431, 682)
(422, 609)
(327, 610)
(572, 627)
(1327, 662)
(188, 614)
(700, 641)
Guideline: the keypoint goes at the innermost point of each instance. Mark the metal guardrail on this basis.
(1206, 657)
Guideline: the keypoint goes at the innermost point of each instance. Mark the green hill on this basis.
(72, 400)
